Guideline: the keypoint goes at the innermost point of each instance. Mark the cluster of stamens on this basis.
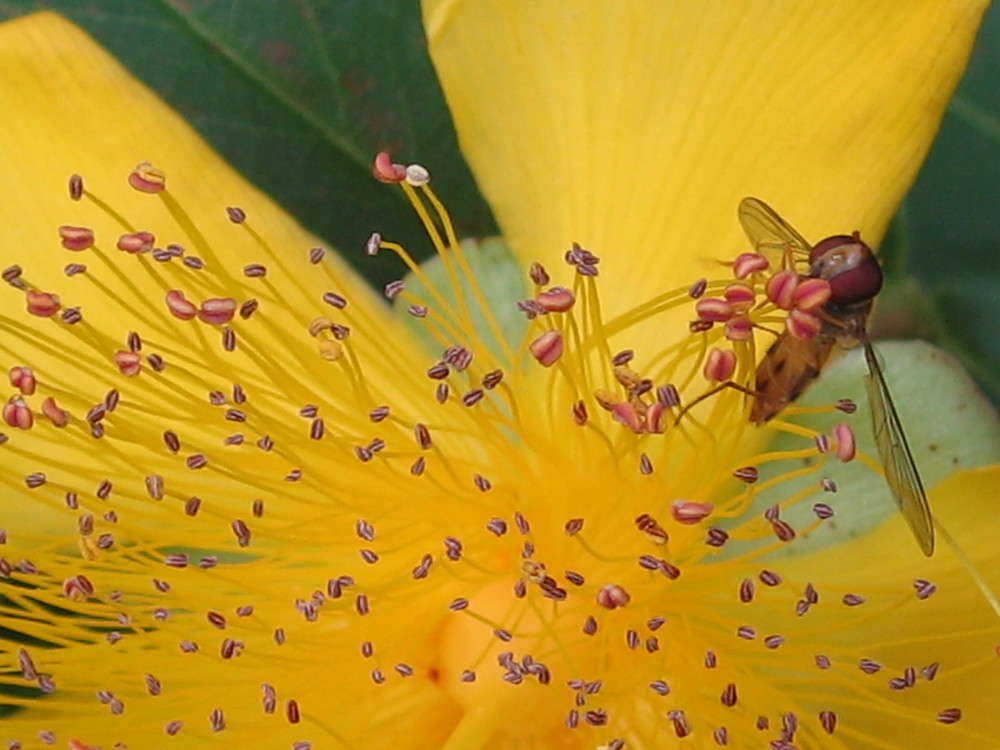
(259, 545)
(756, 293)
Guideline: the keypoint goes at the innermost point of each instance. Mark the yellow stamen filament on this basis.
(386, 534)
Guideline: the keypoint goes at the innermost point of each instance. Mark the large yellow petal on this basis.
(635, 127)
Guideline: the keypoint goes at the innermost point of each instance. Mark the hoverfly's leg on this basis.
(850, 327)
(717, 389)
(823, 315)
(768, 331)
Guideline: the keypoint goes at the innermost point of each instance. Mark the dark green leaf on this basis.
(947, 234)
(970, 308)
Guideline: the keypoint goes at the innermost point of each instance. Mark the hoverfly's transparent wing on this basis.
(770, 235)
(897, 461)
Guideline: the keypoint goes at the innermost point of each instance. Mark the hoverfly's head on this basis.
(850, 267)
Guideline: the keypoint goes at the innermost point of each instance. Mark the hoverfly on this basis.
(792, 364)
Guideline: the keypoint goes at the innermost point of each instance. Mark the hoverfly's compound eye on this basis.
(849, 266)
(822, 247)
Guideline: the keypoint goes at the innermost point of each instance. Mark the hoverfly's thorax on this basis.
(849, 266)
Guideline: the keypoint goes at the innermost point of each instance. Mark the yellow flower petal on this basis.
(634, 128)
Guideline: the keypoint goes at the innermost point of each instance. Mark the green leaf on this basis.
(491, 260)
(970, 309)
(947, 233)
(299, 96)
(949, 426)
